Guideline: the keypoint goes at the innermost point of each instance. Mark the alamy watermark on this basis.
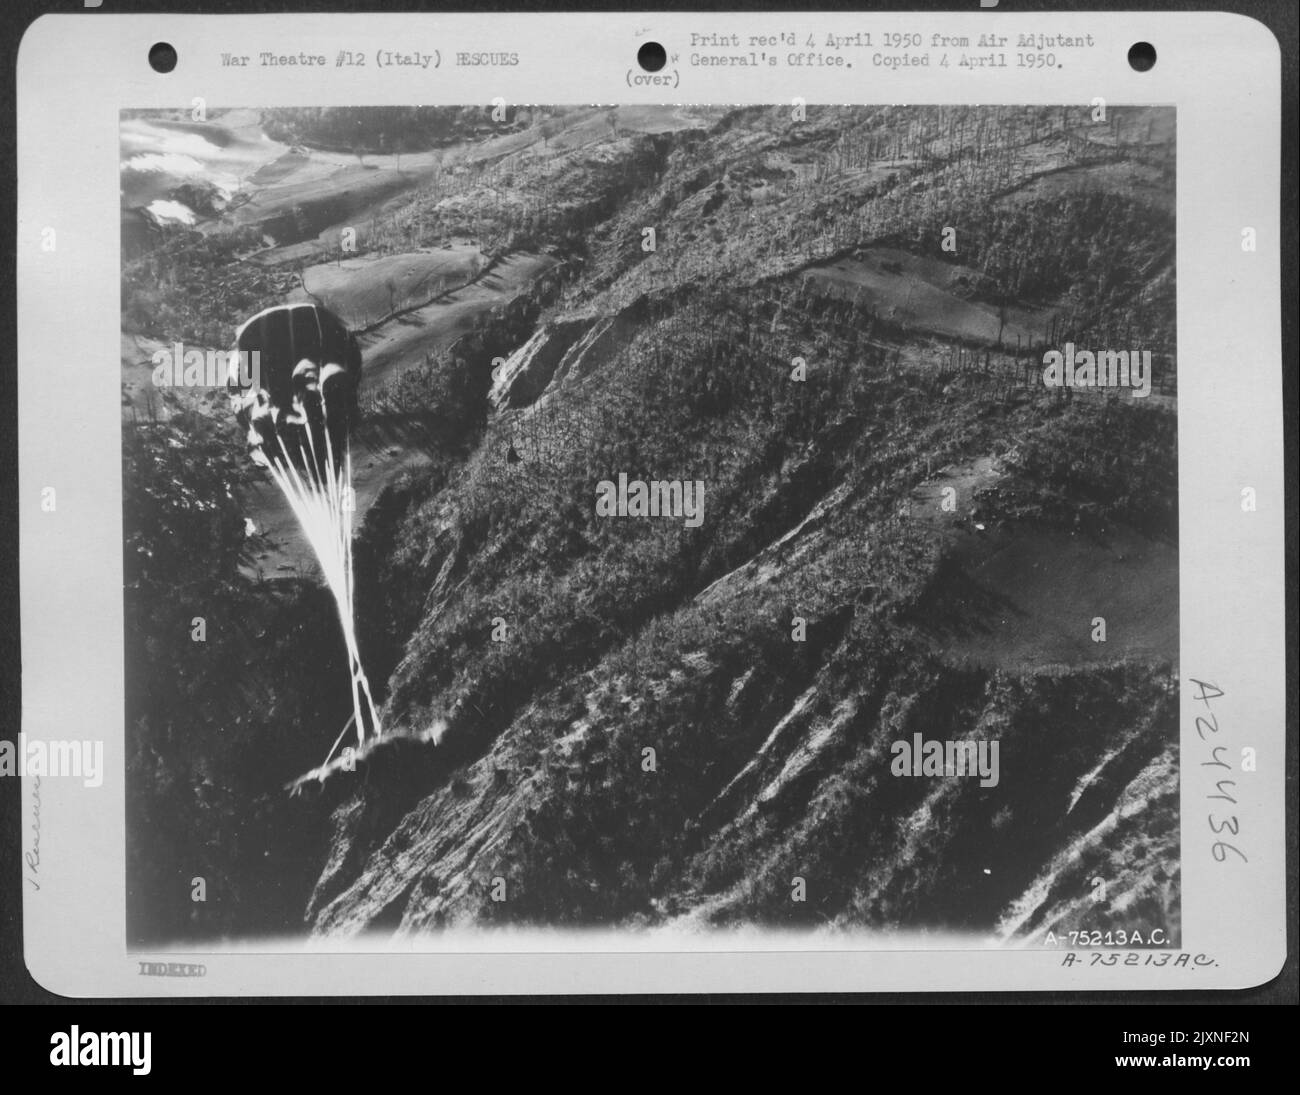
(1071, 368)
(88, 1047)
(934, 757)
(40, 758)
(637, 498)
(176, 367)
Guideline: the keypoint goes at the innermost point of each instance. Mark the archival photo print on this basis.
(679, 522)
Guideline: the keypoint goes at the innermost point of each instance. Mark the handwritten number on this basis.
(1225, 797)
(1204, 696)
(1220, 851)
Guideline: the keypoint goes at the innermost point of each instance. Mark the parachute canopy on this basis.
(293, 381)
(296, 369)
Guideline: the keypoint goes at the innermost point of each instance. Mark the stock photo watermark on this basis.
(933, 757)
(177, 367)
(47, 759)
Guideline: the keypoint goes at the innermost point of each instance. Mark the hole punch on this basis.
(162, 57)
(651, 56)
(1142, 56)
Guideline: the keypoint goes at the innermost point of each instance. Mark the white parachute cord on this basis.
(310, 511)
(347, 516)
(326, 521)
(329, 504)
(346, 727)
(341, 507)
(332, 493)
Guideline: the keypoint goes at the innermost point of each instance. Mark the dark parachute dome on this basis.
(307, 362)
(286, 334)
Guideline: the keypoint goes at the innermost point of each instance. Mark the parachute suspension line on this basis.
(346, 727)
(343, 507)
(359, 677)
(309, 517)
(324, 510)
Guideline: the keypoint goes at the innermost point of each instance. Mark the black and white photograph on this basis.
(669, 521)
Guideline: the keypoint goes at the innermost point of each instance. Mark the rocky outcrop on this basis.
(527, 372)
(559, 354)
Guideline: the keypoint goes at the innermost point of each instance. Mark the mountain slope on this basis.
(824, 502)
